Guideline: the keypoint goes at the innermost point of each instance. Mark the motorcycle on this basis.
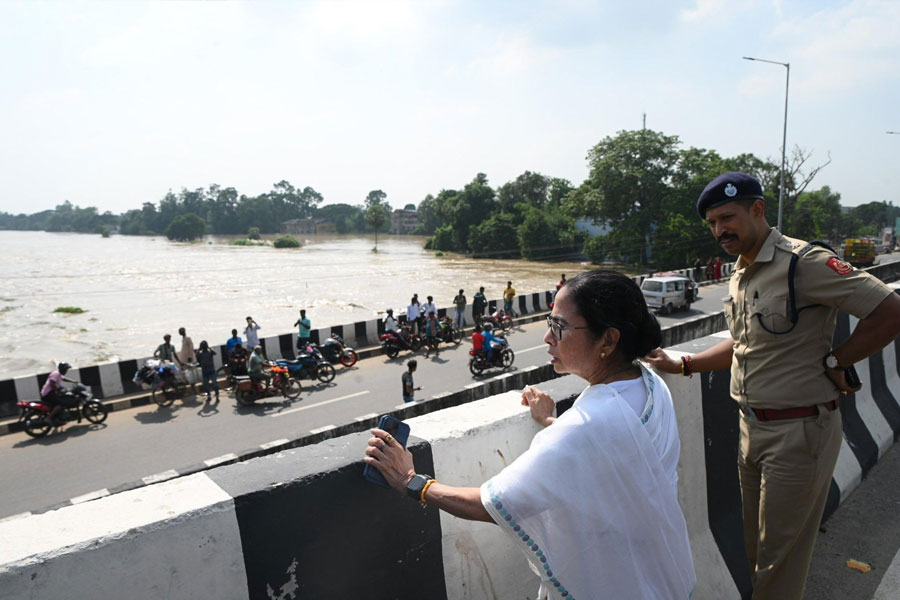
(231, 370)
(249, 391)
(502, 358)
(334, 350)
(448, 333)
(35, 414)
(162, 377)
(500, 320)
(309, 365)
(392, 342)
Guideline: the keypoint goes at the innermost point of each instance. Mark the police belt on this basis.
(779, 414)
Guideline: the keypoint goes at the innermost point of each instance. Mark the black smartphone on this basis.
(400, 431)
(852, 376)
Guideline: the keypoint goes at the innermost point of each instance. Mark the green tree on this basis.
(185, 228)
(442, 238)
(376, 217)
(817, 215)
(428, 217)
(546, 234)
(629, 178)
(464, 209)
(496, 237)
(527, 190)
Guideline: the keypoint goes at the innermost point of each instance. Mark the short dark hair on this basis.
(607, 298)
(412, 363)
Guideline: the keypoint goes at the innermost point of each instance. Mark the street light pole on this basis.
(787, 82)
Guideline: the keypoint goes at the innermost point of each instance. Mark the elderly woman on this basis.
(593, 502)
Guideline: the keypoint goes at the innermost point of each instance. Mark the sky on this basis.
(112, 104)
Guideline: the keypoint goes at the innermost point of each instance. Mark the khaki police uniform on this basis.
(786, 461)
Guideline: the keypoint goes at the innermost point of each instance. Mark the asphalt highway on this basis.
(80, 460)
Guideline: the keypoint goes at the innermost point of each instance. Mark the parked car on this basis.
(668, 294)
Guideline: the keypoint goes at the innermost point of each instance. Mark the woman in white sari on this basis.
(593, 502)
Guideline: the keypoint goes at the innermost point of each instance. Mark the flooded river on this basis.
(135, 289)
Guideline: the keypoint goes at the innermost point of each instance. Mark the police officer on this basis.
(785, 375)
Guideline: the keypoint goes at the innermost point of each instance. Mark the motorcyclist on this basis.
(489, 340)
(477, 341)
(53, 394)
(256, 363)
(431, 334)
(238, 360)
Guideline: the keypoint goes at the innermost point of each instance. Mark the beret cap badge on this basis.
(730, 191)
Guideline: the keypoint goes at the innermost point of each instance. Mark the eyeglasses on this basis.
(556, 328)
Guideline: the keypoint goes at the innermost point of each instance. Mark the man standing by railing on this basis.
(784, 296)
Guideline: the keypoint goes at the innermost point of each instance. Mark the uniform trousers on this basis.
(785, 472)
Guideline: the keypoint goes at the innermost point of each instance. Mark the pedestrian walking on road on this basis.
(205, 356)
(304, 326)
(479, 303)
(186, 354)
(428, 307)
(412, 314)
(390, 323)
(508, 294)
(786, 376)
(698, 270)
(409, 387)
(460, 302)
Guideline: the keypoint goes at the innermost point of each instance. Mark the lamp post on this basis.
(784, 134)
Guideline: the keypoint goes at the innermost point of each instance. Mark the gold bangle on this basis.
(425, 489)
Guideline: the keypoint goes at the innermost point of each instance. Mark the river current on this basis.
(135, 289)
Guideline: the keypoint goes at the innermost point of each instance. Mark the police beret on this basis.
(728, 187)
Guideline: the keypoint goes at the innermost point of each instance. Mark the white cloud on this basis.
(702, 10)
(835, 50)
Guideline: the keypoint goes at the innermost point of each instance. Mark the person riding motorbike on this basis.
(237, 360)
(477, 341)
(431, 334)
(489, 340)
(256, 363)
(53, 394)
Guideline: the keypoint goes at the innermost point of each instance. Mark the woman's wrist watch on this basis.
(416, 487)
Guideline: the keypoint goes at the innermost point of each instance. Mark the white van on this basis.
(668, 294)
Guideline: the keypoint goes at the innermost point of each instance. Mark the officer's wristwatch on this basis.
(831, 361)
(416, 485)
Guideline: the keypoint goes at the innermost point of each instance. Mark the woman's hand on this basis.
(391, 459)
(659, 360)
(540, 403)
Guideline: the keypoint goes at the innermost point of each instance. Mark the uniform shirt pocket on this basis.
(772, 313)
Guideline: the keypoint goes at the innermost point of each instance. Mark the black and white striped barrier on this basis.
(303, 523)
(115, 379)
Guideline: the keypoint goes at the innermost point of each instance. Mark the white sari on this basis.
(592, 504)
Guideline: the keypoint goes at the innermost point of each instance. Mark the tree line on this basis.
(641, 189)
